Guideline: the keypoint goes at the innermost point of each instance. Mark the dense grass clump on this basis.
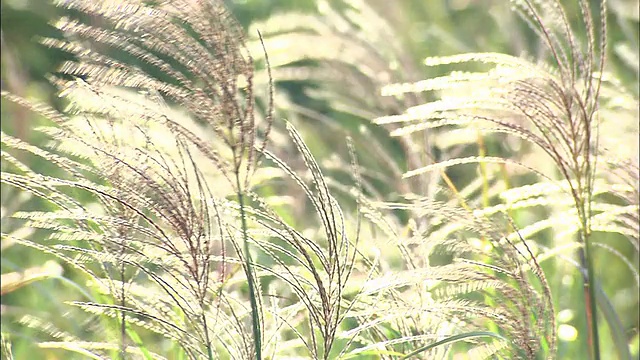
(390, 216)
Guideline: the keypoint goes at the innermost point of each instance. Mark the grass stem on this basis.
(251, 282)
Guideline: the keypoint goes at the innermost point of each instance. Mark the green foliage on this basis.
(483, 212)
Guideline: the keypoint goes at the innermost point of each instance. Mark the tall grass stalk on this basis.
(255, 314)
